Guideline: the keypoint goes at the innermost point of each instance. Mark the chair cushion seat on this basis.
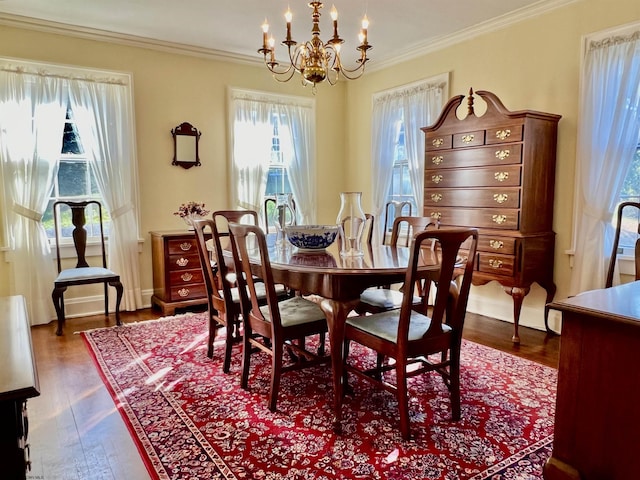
(296, 311)
(385, 325)
(261, 292)
(84, 273)
(384, 298)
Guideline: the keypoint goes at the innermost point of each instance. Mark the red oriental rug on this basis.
(191, 421)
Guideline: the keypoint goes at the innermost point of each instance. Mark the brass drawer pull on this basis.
(502, 154)
(495, 263)
(436, 197)
(182, 262)
(499, 219)
(436, 178)
(437, 160)
(467, 138)
(186, 277)
(185, 246)
(437, 142)
(183, 292)
(501, 176)
(502, 134)
(496, 244)
(500, 197)
(436, 215)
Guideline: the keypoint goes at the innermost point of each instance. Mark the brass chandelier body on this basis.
(315, 60)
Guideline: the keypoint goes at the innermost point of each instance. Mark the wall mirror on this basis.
(185, 145)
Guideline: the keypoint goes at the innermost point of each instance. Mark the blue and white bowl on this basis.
(311, 237)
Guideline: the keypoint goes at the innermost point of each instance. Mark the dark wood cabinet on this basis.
(177, 274)
(18, 382)
(597, 416)
(496, 172)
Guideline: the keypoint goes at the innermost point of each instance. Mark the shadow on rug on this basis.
(190, 420)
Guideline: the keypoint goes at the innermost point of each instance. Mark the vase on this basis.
(189, 220)
(351, 220)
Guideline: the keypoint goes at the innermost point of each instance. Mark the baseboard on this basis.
(94, 305)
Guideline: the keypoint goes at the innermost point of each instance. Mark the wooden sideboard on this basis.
(597, 423)
(18, 382)
(496, 172)
(177, 274)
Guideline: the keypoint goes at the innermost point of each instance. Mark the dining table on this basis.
(338, 281)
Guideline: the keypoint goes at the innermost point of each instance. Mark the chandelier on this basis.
(315, 60)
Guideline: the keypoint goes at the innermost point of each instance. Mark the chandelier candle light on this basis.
(315, 60)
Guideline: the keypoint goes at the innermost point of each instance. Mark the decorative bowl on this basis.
(311, 237)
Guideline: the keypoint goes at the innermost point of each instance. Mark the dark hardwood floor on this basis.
(76, 433)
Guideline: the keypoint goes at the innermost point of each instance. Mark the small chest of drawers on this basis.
(177, 274)
(496, 172)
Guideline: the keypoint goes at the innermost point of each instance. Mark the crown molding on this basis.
(87, 33)
(413, 52)
(498, 23)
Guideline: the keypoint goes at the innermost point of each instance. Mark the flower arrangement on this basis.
(191, 209)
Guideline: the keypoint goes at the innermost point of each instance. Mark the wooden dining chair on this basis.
(630, 207)
(276, 326)
(374, 299)
(411, 337)
(82, 273)
(398, 209)
(633, 207)
(222, 218)
(223, 298)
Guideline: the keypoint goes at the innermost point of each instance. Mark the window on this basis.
(75, 182)
(400, 189)
(273, 150)
(630, 193)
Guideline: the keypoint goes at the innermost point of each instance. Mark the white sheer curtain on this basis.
(300, 163)
(252, 134)
(417, 105)
(102, 115)
(32, 116)
(608, 135)
(252, 116)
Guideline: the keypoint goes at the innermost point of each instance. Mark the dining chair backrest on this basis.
(213, 270)
(249, 242)
(271, 205)
(451, 266)
(413, 225)
(397, 209)
(625, 208)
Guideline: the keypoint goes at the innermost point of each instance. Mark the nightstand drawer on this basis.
(187, 292)
(182, 246)
(183, 277)
(183, 262)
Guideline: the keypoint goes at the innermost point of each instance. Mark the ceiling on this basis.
(231, 28)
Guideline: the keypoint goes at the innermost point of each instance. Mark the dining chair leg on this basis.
(379, 361)
(119, 292)
(106, 299)
(228, 346)
(58, 302)
(403, 398)
(321, 344)
(454, 383)
(276, 371)
(213, 327)
(246, 359)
